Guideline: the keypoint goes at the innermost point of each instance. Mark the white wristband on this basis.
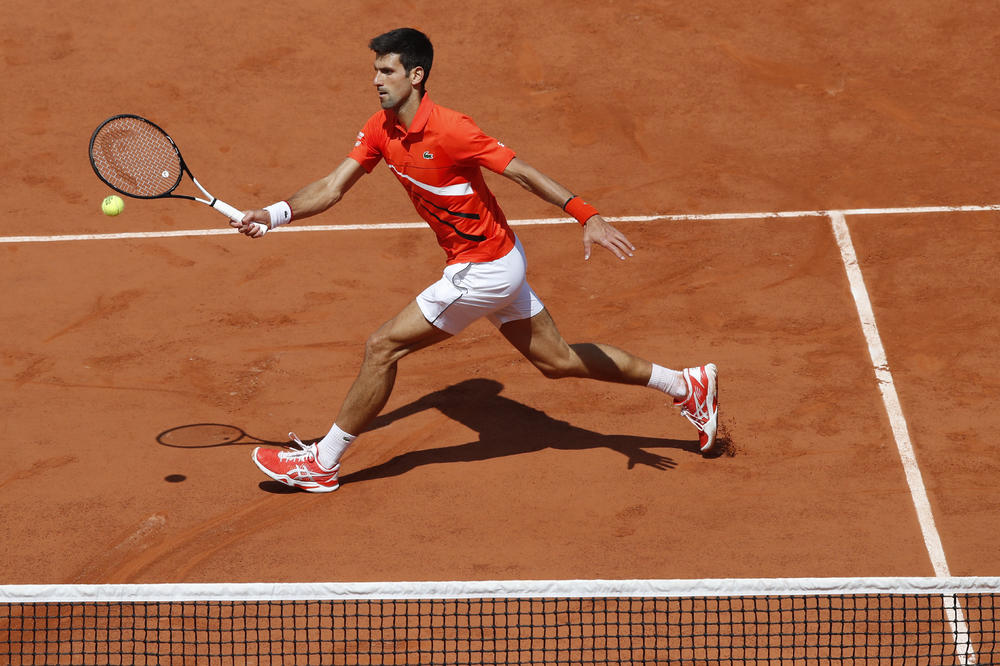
(281, 213)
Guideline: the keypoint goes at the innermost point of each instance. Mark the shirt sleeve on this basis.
(367, 149)
(470, 146)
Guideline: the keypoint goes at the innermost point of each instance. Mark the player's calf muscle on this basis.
(581, 360)
(557, 368)
(610, 364)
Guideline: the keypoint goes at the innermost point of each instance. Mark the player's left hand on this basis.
(598, 231)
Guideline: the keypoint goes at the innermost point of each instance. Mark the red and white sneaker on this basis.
(299, 468)
(701, 406)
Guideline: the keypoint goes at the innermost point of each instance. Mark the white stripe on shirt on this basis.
(457, 190)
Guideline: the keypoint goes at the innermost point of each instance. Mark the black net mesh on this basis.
(772, 629)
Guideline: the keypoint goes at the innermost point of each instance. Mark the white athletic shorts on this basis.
(496, 289)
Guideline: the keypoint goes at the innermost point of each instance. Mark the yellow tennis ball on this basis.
(112, 205)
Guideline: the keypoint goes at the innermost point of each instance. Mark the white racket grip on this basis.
(234, 214)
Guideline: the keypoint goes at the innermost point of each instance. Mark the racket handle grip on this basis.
(233, 214)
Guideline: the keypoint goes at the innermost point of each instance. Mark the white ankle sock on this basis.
(669, 381)
(331, 447)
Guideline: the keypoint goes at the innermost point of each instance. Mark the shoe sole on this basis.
(711, 428)
(308, 486)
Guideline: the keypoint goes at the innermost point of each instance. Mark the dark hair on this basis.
(412, 46)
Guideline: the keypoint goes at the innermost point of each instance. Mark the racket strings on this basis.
(136, 157)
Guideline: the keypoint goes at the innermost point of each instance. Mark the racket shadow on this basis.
(507, 427)
(210, 435)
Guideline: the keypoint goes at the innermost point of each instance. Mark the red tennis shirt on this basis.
(437, 161)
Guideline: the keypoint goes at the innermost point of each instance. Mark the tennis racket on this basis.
(138, 159)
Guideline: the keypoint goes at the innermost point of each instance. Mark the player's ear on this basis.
(416, 75)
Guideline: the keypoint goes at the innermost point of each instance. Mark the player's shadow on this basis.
(506, 428)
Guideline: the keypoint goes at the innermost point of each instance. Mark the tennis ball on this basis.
(112, 205)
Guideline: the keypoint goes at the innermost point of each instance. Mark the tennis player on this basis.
(437, 155)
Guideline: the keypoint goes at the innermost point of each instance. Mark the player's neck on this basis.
(407, 111)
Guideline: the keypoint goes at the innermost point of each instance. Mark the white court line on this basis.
(529, 222)
(964, 650)
(876, 350)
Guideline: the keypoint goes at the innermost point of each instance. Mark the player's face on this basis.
(392, 82)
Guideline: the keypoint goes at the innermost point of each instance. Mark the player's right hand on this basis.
(247, 225)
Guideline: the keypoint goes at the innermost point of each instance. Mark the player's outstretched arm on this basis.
(310, 200)
(595, 228)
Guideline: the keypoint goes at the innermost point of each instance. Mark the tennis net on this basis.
(732, 621)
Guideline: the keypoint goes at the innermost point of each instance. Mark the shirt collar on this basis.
(419, 118)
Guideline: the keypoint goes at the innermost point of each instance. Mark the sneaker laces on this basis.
(697, 420)
(304, 451)
(296, 455)
(700, 414)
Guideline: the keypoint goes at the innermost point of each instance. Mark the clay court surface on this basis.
(114, 351)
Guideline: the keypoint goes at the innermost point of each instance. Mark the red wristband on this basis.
(580, 209)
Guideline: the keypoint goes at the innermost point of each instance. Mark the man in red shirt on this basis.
(437, 155)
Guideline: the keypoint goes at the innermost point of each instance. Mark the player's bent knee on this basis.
(382, 349)
(379, 348)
